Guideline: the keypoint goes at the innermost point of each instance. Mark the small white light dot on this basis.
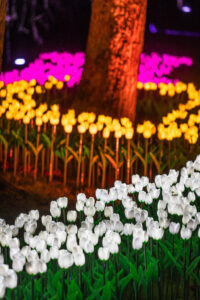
(20, 61)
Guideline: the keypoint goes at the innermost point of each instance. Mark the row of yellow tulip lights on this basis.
(27, 112)
(29, 103)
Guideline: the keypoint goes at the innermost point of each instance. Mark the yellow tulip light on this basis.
(171, 92)
(129, 133)
(139, 85)
(30, 91)
(38, 121)
(116, 126)
(93, 129)
(26, 120)
(31, 113)
(48, 85)
(54, 120)
(20, 95)
(147, 133)
(106, 133)
(99, 126)
(81, 128)
(108, 120)
(161, 135)
(38, 113)
(3, 93)
(32, 82)
(9, 115)
(19, 115)
(72, 121)
(55, 108)
(52, 79)
(129, 124)
(147, 86)
(59, 85)
(64, 120)
(68, 128)
(67, 77)
(124, 121)
(82, 117)
(1, 84)
(38, 89)
(5, 104)
(118, 133)
(163, 92)
(2, 110)
(71, 113)
(45, 118)
(140, 128)
(91, 117)
(101, 119)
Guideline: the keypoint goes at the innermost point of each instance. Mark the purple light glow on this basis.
(186, 9)
(152, 28)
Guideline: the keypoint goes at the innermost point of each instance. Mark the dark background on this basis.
(64, 27)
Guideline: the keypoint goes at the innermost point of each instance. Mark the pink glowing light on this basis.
(153, 68)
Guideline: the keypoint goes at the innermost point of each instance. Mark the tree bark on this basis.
(115, 41)
(2, 27)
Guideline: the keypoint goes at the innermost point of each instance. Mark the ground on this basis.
(22, 194)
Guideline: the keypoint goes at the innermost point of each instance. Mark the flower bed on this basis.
(36, 139)
(140, 239)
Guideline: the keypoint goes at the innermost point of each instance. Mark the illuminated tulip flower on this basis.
(62, 202)
(2, 287)
(103, 253)
(186, 233)
(11, 279)
(65, 260)
(108, 211)
(71, 215)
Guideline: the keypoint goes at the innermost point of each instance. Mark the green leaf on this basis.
(34, 150)
(111, 160)
(140, 157)
(124, 282)
(40, 147)
(3, 140)
(124, 150)
(192, 266)
(156, 162)
(173, 260)
(86, 150)
(107, 292)
(73, 291)
(133, 160)
(61, 142)
(46, 139)
(69, 158)
(73, 152)
(95, 158)
(110, 150)
(103, 159)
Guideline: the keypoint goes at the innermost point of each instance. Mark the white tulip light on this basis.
(101, 230)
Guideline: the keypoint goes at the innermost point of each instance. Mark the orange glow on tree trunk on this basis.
(115, 42)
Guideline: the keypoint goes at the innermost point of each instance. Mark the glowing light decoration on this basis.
(69, 67)
(20, 61)
(186, 9)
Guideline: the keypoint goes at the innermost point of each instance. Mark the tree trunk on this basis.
(115, 41)
(2, 27)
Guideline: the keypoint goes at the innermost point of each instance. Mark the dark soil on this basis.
(23, 194)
